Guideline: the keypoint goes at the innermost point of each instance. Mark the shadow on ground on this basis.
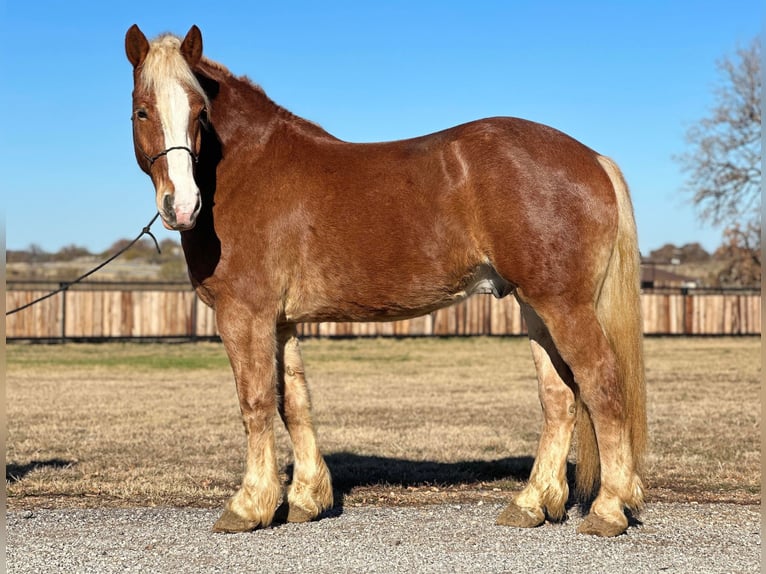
(352, 471)
(16, 472)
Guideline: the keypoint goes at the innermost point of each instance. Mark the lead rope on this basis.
(64, 286)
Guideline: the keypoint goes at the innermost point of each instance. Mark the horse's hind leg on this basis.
(580, 339)
(547, 491)
(310, 492)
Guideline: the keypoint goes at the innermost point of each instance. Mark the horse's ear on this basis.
(191, 47)
(136, 46)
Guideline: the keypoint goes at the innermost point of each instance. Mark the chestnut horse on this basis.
(283, 223)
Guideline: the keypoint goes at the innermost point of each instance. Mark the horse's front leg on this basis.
(310, 491)
(250, 342)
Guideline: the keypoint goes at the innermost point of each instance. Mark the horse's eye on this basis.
(203, 117)
(141, 114)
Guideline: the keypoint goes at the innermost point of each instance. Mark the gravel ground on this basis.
(698, 538)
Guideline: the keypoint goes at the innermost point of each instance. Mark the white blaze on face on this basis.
(173, 108)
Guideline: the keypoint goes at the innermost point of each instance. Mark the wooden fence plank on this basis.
(165, 313)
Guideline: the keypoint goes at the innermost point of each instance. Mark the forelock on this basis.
(164, 65)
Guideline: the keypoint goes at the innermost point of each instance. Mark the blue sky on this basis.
(625, 78)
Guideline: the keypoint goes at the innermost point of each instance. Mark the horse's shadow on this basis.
(350, 471)
(16, 472)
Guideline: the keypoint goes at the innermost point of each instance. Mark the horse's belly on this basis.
(370, 302)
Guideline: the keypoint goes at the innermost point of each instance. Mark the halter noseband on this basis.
(152, 158)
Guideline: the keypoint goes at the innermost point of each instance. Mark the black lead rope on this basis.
(64, 286)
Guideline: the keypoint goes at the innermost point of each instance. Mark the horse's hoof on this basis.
(231, 522)
(296, 514)
(515, 515)
(597, 526)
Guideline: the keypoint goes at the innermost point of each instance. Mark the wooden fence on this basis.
(89, 313)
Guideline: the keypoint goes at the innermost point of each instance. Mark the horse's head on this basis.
(169, 112)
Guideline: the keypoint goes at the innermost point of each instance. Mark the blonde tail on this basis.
(619, 311)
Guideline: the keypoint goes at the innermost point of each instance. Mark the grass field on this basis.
(401, 422)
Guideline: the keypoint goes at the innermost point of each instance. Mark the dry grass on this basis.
(400, 421)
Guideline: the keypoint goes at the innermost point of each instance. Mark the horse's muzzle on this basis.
(175, 217)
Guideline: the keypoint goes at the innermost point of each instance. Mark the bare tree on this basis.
(724, 164)
(741, 256)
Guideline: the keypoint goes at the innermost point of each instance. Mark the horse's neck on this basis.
(243, 108)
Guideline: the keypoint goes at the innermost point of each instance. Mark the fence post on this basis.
(64, 288)
(688, 325)
(194, 316)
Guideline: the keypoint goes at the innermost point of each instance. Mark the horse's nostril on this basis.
(169, 213)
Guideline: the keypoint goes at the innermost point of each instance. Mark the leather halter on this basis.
(152, 158)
